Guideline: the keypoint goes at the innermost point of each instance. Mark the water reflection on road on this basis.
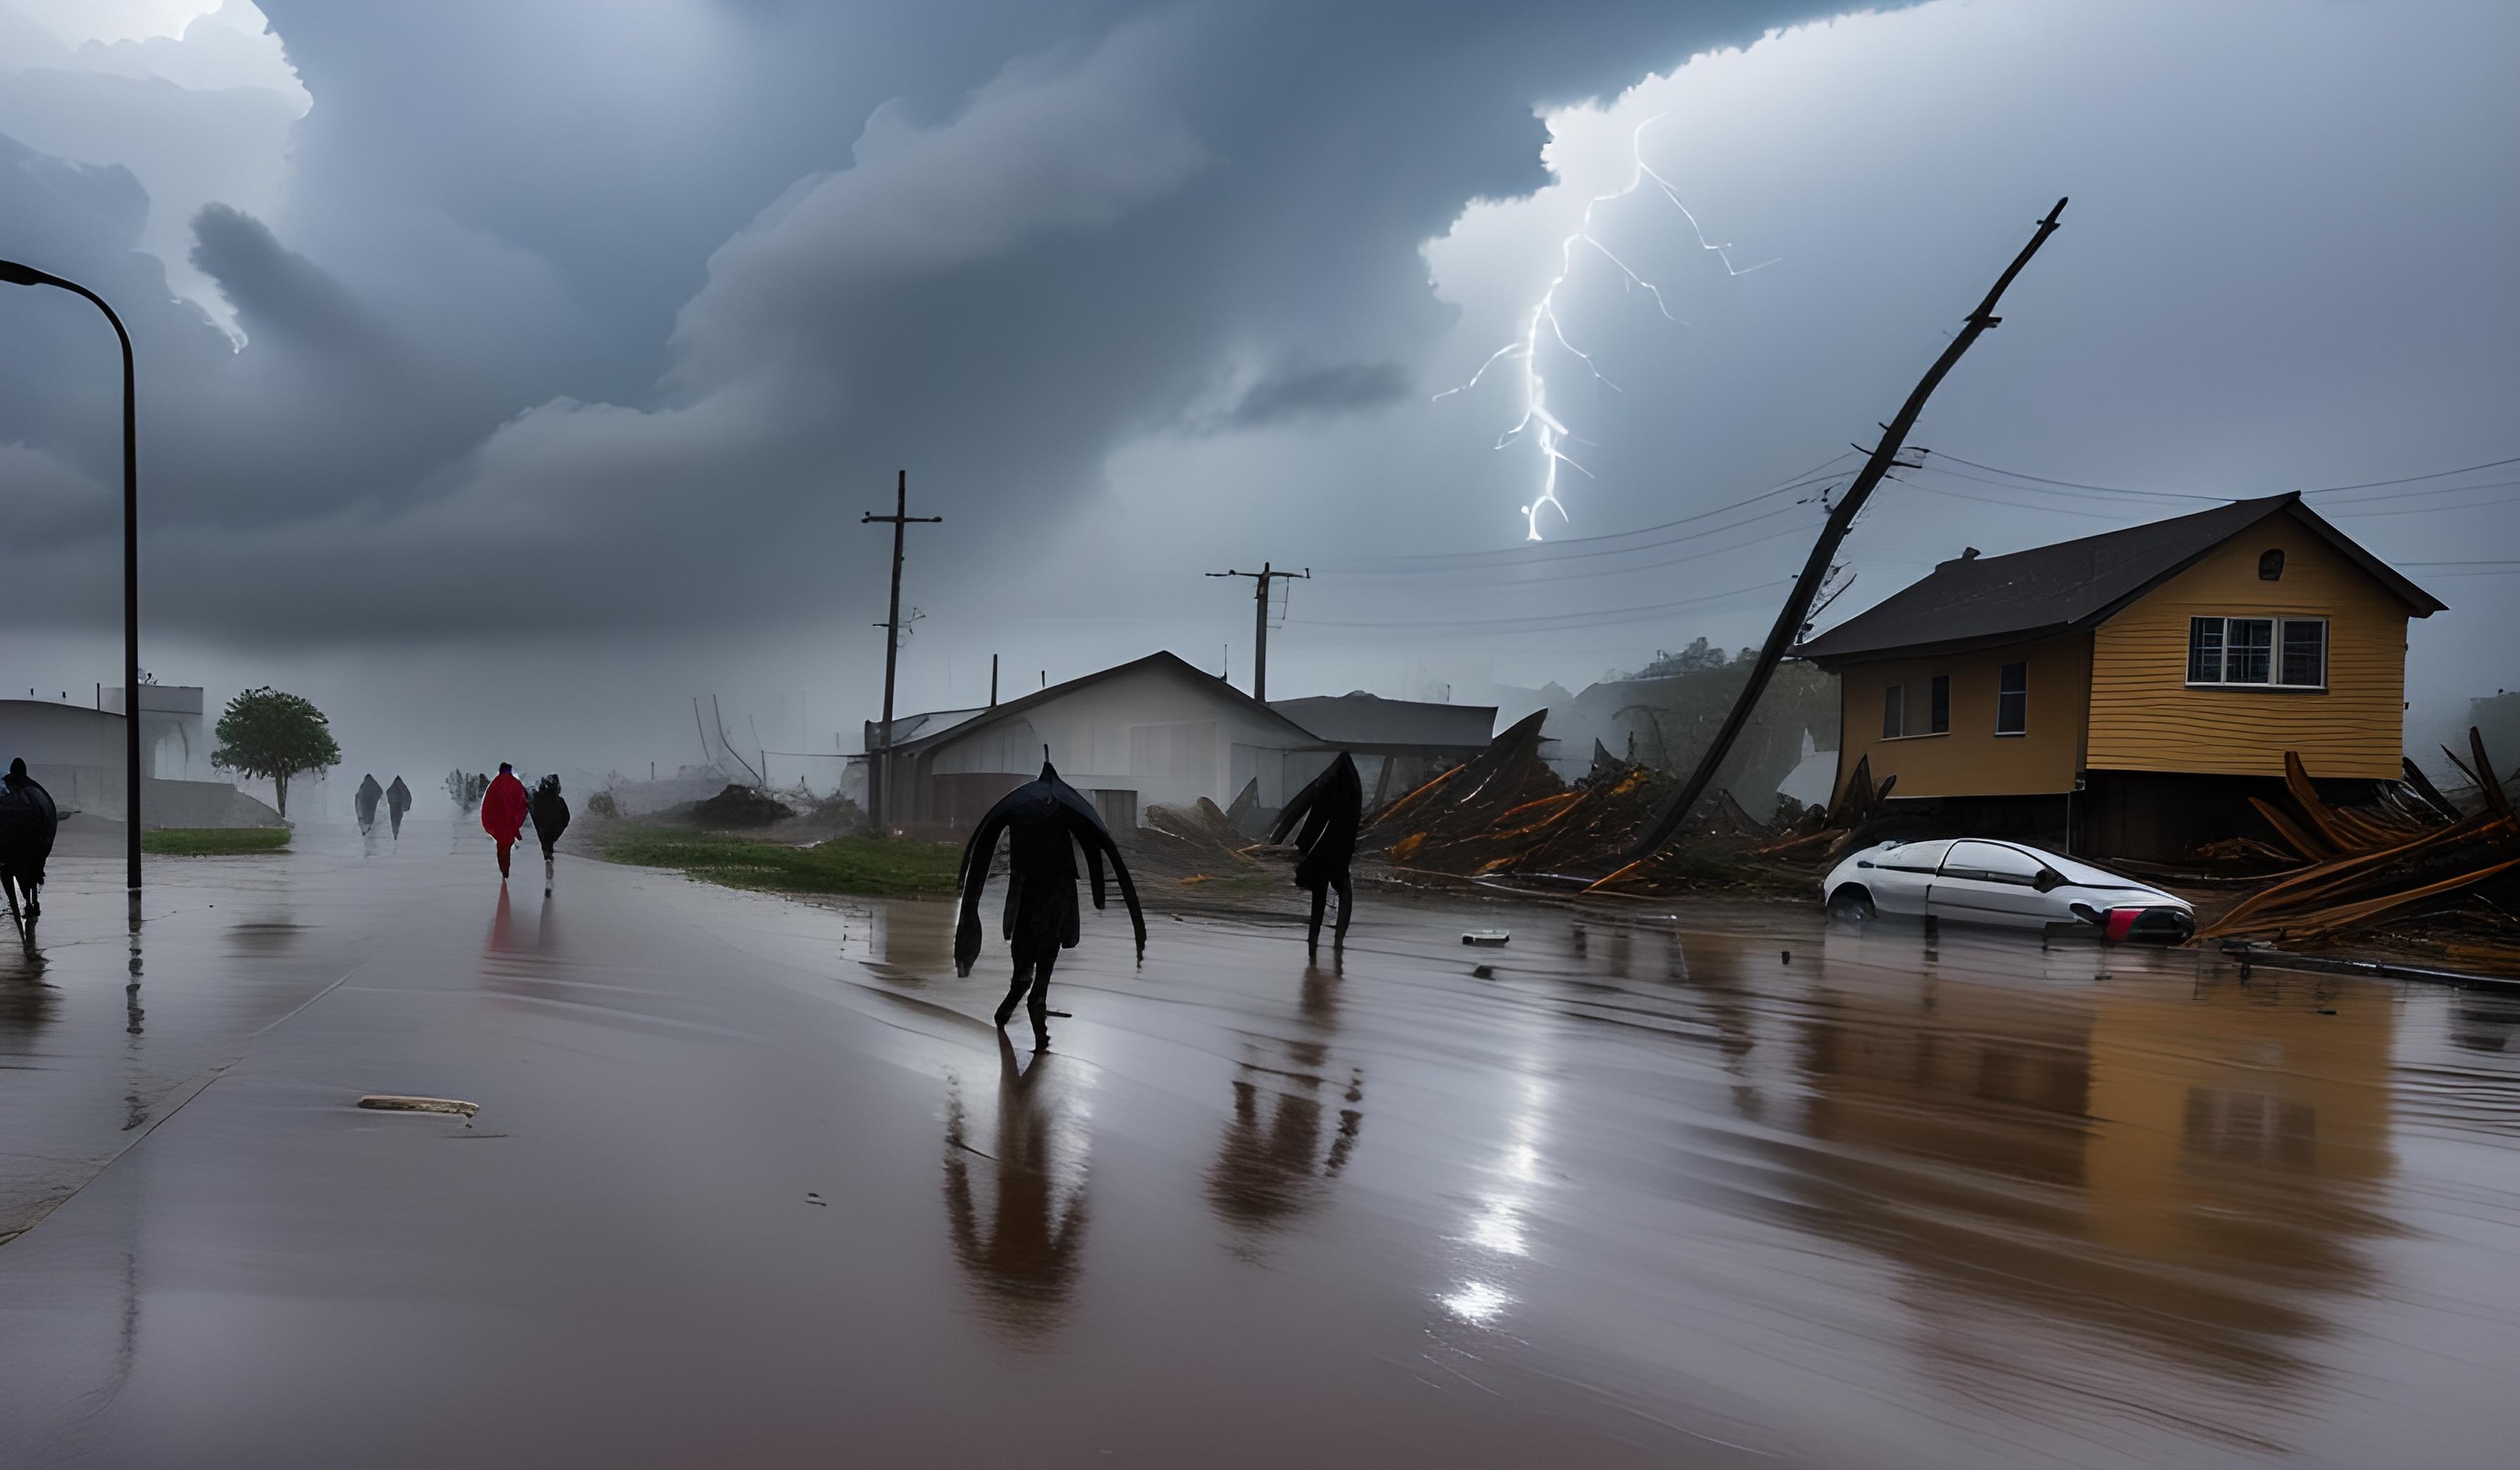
(1633, 1190)
(1018, 1227)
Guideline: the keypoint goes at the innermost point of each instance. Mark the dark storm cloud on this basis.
(1314, 393)
(278, 293)
(660, 281)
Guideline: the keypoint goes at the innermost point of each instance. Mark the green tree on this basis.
(267, 733)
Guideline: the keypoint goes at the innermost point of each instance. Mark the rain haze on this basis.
(1757, 918)
(513, 375)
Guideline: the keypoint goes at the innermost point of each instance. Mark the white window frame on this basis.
(2274, 651)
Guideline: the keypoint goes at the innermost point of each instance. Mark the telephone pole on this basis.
(1260, 580)
(1797, 611)
(880, 789)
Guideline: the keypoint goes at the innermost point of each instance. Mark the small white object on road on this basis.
(1487, 936)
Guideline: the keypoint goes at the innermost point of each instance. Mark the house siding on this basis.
(2145, 718)
(1137, 739)
(1972, 760)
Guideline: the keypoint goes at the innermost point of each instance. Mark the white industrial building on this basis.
(1160, 732)
(1152, 731)
(75, 749)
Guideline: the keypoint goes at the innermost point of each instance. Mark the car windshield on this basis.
(2085, 873)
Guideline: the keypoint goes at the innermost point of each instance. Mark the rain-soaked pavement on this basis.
(754, 1183)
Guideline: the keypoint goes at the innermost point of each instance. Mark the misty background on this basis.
(511, 376)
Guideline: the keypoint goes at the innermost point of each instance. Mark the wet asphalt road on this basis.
(754, 1183)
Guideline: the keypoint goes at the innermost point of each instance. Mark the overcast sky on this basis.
(513, 374)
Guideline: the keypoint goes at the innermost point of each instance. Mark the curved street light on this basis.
(13, 274)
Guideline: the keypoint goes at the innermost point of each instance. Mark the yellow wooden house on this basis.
(2124, 694)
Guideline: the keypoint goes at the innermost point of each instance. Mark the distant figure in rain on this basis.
(551, 818)
(364, 803)
(397, 802)
(1331, 809)
(1045, 820)
(503, 812)
(27, 823)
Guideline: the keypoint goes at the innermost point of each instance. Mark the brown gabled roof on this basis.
(1981, 601)
(1165, 662)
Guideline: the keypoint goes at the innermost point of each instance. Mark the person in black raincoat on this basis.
(551, 818)
(1331, 809)
(397, 802)
(29, 821)
(365, 802)
(1045, 821)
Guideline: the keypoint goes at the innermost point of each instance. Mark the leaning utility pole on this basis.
(1260, 636)
(1797, 608)
(880, 787)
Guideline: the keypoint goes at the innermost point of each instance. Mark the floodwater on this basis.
(754, 1183)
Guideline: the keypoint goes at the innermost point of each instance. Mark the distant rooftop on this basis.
(1359, 721)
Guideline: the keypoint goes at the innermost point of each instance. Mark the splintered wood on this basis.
(1504, 817)
(2418, 854)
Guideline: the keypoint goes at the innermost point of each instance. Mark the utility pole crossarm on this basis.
(1260, 580)
(1880, 459)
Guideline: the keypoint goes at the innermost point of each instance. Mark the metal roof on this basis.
(1359, 721)
(1165, 662)
(1981, 601)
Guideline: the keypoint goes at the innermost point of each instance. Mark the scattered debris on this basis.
(740, 806)
(1504, 817)
(2420, 854)
(387, 1103)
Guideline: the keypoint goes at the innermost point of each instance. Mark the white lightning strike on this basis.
(1544, 427)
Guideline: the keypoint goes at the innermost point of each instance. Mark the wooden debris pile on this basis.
(1186, 843)
(1506, 816)
(2414, 850)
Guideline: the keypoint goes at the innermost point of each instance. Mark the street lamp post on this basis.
(13, 274)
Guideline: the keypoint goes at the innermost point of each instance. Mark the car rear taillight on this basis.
(2158, 925)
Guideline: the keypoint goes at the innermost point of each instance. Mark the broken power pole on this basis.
(1797, 608)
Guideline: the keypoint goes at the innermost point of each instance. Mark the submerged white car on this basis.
(1975, 880)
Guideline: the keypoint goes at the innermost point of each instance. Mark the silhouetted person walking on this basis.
(503, 812)
(1045, 821)
(29, 821)
(1331, 808)
(397, 802)
(364, 803)
(551, 818)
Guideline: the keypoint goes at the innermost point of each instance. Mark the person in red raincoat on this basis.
(503, 812)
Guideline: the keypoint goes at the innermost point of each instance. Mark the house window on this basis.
(2013, 699)
(2204, 650)
(2271, 566)
(2265, 653)
(1942, 703)
(2305, 654)
(1893, 712)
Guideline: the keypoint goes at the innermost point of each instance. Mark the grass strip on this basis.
(212, 841)
(867, 866)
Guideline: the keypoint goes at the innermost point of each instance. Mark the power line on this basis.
(2005, 484)
(1594, 617)
(2110, 489)
(1539, 576)
(1801, 481)
(2056, 510)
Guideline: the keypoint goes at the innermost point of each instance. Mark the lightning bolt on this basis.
(1545, 428)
